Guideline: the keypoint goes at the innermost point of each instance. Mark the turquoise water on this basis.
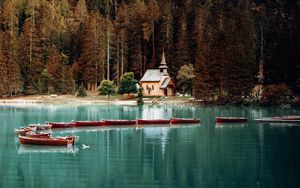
(204, 155)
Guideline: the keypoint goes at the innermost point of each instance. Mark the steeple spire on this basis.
(163, 65)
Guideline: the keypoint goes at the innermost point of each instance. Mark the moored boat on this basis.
(40, 127)
(55, 125)
(153, 121)
(89, 123)
(119, 122)
(37, 135)
(24, 130)
(184, 120)
(231, 120)
(57, 141)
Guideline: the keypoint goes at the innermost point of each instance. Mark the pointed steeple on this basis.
(163, 65)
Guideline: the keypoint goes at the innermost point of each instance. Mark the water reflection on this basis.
(25, 149)
(202, 155)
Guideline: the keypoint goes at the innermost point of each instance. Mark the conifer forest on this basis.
(55, 46)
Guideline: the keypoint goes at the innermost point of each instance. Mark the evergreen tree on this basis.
(166, 31)
(128, 83)
(140, 96)
(181, 48)
(3, 70)
(121, 25)
(185, 77)
(225, 59)
(9, 45)
(93, 52)
(54, 71)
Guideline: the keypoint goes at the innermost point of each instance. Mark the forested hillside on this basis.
(54, 46)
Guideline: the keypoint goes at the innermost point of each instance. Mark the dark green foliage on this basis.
(92, 55)
(226, 42)
(276, 94)
(185, 77)
(225, 50)
(281, 24)
(107, 87)
(44, 81)
(128, 83)
(140, 96)
(81, 92)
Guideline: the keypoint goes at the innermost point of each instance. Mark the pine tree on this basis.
(181, 47)
(140, 29)
(92, 56)
(3, 70)
(31, 55)
(121, 25)
(225, 46)
(166, 31)
(9, 45)
(54, 70)
(154, 14)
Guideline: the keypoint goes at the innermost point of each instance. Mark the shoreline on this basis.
(90, 99)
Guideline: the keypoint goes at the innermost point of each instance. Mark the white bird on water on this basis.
(85, 146)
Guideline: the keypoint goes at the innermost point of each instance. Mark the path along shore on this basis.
(90, 99)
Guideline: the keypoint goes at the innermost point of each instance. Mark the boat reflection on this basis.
(230, 125)
(118, 127)
(24, 149)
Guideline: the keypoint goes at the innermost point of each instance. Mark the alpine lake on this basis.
(192, 155)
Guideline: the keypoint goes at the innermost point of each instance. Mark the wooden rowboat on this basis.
(153, 121)
(89, 123)
(58, 141)
(55, 125)
(184, 120)
(37, 135)
(24, 130)
(119, 122)
(231, 120)
(40, 127)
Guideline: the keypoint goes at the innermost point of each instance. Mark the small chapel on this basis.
(157, 82)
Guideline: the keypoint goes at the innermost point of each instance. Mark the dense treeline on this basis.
(55, 46)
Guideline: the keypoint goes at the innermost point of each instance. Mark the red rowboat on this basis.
(58, 141)
(40, 127)
(153, 121)
(61, 125)
(24, 130)
(231, 120)
(184, 120)
(89, 123)
(37, 135)
(119, 122)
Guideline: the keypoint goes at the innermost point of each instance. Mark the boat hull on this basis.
(119, 122)
(230, 120)
(184, 120)
(61, 125)
(89, 123)
(23, 131)
(37, 135)
(70, 140)
(40, 127)
(153, 121)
